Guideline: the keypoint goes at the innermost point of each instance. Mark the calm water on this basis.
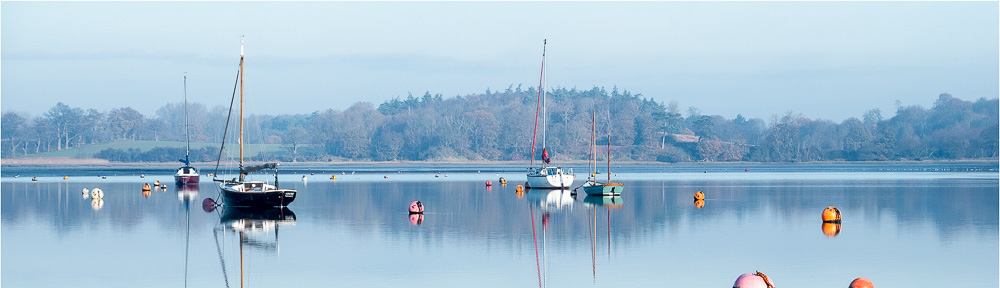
(903, 226)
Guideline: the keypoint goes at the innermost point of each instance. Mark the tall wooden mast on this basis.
(241, 108)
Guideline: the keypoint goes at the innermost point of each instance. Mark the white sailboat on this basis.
(545, 176)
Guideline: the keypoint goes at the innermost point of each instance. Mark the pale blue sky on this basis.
(826, 60)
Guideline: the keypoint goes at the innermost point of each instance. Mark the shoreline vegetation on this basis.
(496, 127)
(99, 163)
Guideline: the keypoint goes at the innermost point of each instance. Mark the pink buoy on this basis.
(489, 183)
(753, 280)
(208, 205)
(416, 207)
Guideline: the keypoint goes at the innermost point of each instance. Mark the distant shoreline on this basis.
(97, 163)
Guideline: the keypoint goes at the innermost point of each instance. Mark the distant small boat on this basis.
(592, 187)
(186, 175)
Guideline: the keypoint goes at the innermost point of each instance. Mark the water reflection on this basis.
(253, 226)
(551, 199)
(650, 230)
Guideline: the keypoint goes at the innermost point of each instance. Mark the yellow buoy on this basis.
(831, 215)
(65, 177)
(699, 195)
(334, 177)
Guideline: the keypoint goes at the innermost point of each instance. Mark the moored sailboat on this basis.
(546, 176)
(186, 175)
(592, 186)
(241, 192)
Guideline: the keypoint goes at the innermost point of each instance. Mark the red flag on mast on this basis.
(545, 156)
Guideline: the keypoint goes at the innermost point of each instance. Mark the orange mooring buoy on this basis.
(145, 187)
(699, 195)
(831, 215)
(519, 188)
(861, 283)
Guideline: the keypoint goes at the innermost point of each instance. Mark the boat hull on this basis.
(549, 178)
(186, 175)
(265, 198)
(186, 180)
(607, 189)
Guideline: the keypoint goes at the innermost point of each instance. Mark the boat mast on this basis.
(541, 86)
(534, 134)
(609, 156)
(593, 148)
(241, 108)
(187, 153)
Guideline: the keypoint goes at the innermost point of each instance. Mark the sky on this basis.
(825, 60)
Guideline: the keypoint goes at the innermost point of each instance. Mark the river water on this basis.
(903, 226)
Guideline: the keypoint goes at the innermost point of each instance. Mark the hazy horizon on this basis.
(825, 60)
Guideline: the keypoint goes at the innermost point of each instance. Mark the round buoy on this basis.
(753, 280)
(97, 193)
(145, 187)
(519, 188)
(142, 175)
(436, 175)
(699, 203)
(333, 177)
(208, 205)
(503, 181)
(304, 178)
(65, 177)
(831, 229)
(831, 215)
(861, 283)
(157, 183)
(163, 187)
(489, 183)
(104, 177)
(34, 179)
(86, 193)
(416, 207)
(699, 195)
(386, 176)
(416, 219)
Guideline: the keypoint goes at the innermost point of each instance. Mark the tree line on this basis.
(498, 125)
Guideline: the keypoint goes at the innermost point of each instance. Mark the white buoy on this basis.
(304, 178)
(97, 193)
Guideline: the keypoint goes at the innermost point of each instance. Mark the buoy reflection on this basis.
(831, 229)
(416, 219)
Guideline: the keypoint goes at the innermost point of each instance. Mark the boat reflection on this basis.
(253, 225)
(593, 204)
(187, 193)
(551, 199)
